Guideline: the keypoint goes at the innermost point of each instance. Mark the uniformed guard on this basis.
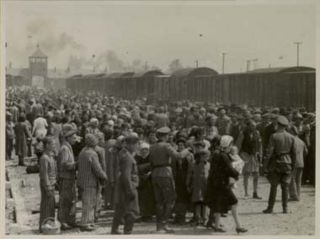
(126, 198)
(161, 155)
(280, 162)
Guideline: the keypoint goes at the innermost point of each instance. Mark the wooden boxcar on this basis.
(188, 83)
(145, 83)
(283, 87)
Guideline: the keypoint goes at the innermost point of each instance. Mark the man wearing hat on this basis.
(280, 161)
(100, 149)
(67, 178)
(126, 198)
(93, 126)
(297, 124)
(267, 127)
(9, 135)
(182, 168)
(22, 137)
(301, 152)
(236, 126)
(89, 175)
(112, 150)
(223, 122)
(161, 155)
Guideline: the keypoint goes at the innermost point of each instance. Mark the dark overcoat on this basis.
(126, 194)
(22, 134)
(220, 196)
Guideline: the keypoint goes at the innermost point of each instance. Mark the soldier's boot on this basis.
(272, 198)
(285, 210)
(167, 229)
(268, 210)
(285, 194)
(160, 227)
(128, 224)
(160, 213)
(167, 213)
(115, 226)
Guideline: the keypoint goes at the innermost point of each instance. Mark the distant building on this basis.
(38, 64)
(38, 73)
(38, 68)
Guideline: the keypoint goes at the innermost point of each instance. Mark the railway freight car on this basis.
(74, 83)
(161, 87)
(110, 83)
(284, 87)
(187, 83)
(146, 83)
(122, 84)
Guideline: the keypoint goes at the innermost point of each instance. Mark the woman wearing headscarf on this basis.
(220, 196)
(48, 174)
(145, 190)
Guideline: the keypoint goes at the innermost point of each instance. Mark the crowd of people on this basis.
(165, 159)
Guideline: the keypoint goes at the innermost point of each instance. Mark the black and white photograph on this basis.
(171, 118)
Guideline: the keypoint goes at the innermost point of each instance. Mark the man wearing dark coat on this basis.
(23, 136)
(223, 123)
(126, 198)
(182, 169)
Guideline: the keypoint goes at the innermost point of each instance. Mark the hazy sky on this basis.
(162, 32)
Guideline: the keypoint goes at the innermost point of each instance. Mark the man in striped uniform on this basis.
(101, 154)
(89, 174)
(67, 179)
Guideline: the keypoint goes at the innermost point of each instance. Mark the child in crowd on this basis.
(237, 164)
(198, 185)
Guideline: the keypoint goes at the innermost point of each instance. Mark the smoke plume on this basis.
(50, 39)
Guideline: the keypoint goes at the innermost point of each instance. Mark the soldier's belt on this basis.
(281, 154)
(161, 166)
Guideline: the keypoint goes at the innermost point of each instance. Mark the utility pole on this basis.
(146, 66)
(223, 60)
(298, 48)
(93, 63)
(197, 63)
(255, 63)
(248, 65)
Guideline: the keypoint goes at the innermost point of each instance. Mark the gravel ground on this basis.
(300, 221)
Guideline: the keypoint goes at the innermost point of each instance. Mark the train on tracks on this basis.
(283, 86)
